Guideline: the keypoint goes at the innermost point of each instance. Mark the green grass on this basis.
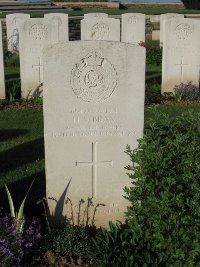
(147, 11)
(153, 72)
(22, 145)
(22, 153)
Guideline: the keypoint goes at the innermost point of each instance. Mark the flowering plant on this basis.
(185, 91)
(14, 245)
(18, 216)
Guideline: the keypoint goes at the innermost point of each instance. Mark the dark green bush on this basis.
(152, 92)
(163, 228)
(113, 247)
(153, 53)
(71, 241)
(13, 89)
(165, 196)
(11, 59)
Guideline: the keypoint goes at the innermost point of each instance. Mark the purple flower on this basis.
(186, 91)
(14, 245)
(28, 245)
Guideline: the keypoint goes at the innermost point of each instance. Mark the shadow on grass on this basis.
(12, 76)
(155, 76)
(6, 134)
(22, 155)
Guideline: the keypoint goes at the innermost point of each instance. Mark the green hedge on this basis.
(163, 219)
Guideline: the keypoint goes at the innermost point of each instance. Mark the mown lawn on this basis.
(22, 153)
(22, 144)
(147, 11)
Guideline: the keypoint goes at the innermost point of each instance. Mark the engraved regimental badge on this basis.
(38, 32)
(94, 78)
(183, 31)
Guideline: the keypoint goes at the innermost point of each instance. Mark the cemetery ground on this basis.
(81, 12)
(176, 143)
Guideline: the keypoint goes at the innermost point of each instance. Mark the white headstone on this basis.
(163, 18)
(93, 108)
(156, 35)
(106, 29)
(133, 28)
(2, 78)
(181, 53)
(153, 18)
(59, 21)
(35, 34)
(13, 22)
(95, 15)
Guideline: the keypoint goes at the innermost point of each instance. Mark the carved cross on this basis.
(182, 65)
(39, 66)
(94, 164)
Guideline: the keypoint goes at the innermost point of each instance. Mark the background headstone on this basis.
(95, 15)
(181, 53)
(163, 18)
(106, 29)
(13, 22)
(133, 28)
(93, 108)
(35, 34)
(156, 35)
(59, 21)
(2, 78)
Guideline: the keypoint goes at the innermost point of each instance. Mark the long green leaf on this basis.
(20, 214)
(12, 209)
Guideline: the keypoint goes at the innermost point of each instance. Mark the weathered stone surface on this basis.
(153, 18)
(181, 53)
(2, 78)
(95, 15)
(13, 22)
(133, 28)
(163, 18)
(35, 34)
(106, 29)
(93, 108)
(156, 35)
(59, 21)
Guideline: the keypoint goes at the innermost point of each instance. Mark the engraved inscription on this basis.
(38, 31)
(39, 67)
(183, 31)
(94, 78)
(100, 31)
(94, 163)
(132, 19)
(182, 68)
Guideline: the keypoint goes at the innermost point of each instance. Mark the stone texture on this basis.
(163, 18)
(93, 108)
(133, 28)
(13, 22)
(35, 34)
(59, 21)
(100, 29)
(181, 53)
(156, 35)
(95, 15)
(2, 78)
(153, 18)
